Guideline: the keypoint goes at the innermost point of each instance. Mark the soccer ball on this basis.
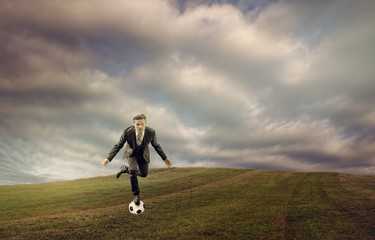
(136, 209)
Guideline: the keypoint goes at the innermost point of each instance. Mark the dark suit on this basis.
(143, 151)
(137, 155)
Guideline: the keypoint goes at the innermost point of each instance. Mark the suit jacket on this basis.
(131, 148)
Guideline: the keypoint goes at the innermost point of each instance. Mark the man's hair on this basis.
(139, 116)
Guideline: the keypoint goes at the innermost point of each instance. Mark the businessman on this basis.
(136, 140)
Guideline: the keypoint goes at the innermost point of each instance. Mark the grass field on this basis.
(194, 203)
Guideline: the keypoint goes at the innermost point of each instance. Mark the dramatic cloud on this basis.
(277, 85)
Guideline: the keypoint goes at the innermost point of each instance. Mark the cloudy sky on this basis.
(260, 84)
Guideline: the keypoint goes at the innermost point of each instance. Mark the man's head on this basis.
(139, 122)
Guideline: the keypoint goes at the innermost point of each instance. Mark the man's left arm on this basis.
(159, 150)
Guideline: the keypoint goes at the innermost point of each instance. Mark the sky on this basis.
(275, 85)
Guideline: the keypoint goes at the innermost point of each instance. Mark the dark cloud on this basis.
(279, 85)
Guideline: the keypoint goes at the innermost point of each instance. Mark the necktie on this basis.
(139, 139)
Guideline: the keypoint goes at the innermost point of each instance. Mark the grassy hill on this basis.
(194, 203)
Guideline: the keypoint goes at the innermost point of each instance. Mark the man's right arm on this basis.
(116, 148)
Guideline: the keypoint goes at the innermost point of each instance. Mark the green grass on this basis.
(194, 203)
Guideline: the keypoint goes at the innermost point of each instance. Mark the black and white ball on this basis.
(136, 209)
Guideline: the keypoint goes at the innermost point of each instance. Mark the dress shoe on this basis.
(124, 169)
(137, 200)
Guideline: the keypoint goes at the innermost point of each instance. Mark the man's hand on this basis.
(105, 162)
(168, 163)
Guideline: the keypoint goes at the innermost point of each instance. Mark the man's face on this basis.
(140, 125)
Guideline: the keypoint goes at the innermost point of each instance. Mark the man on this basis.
(136, 140)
